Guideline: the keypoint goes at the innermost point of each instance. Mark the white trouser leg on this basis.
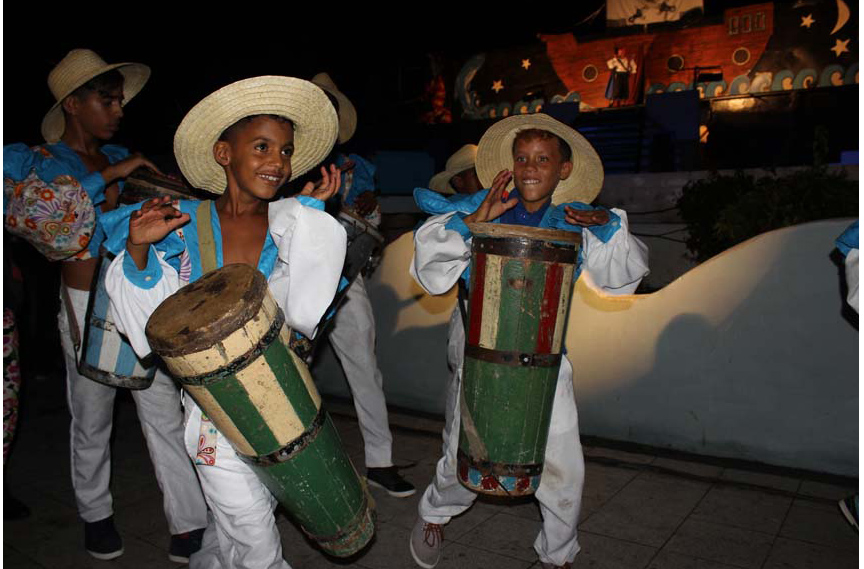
(241, 506)
(560, 490)
(91, 406)
(353, 340)
(445, 497)
(162, 423)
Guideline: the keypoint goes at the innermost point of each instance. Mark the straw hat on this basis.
(78, 67)
(495, 153)
(460, 161)
(314, 118)
(347, 112)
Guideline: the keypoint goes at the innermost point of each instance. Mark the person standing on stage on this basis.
(621, 67)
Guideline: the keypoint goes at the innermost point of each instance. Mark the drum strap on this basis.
(206, 239)
(74, 332)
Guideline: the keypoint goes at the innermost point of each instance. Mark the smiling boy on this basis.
(244, 142)
(555, 175)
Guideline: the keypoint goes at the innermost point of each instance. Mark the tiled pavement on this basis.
(640, 510)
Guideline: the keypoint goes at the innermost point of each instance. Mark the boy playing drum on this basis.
(244, 142)
(556, 173)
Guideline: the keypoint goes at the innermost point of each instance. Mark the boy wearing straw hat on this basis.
(90, 96)
(459, 175)
(243, 142)
(353, 333)
(554, 174)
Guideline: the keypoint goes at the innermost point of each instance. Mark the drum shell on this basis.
(106, 355)
(517, 309)
(261, 397)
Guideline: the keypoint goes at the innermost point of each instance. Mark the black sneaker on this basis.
(102, 540)
(389, 479)
(183, 545)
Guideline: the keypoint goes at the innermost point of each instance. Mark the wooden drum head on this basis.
(205, 312)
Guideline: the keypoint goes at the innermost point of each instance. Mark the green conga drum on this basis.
(521, 279)
(224, 338)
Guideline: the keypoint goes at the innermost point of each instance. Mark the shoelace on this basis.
(434, 531)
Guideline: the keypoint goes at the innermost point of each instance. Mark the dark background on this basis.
(380, 58)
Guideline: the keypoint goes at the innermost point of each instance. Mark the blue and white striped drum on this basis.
(106, 355)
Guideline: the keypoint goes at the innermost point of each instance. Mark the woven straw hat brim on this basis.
(347, 111)
(135, 76)
(306, 105)
(461, 160)
(495, 153)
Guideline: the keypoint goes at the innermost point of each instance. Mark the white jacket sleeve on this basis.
(311, 248)
(618, 265)
(131, 305)
(851, 264)
(440, 255)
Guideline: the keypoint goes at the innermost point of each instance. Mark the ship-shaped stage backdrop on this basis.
(760, 48)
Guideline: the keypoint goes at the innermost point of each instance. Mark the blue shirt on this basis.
(52, 160)
(357, 180)
(848, 240)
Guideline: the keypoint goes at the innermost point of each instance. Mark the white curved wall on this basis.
(745, 356)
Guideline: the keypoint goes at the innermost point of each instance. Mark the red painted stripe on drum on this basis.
(475, 303)
(549, 310)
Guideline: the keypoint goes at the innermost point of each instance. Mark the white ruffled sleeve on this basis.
(311, 251)
(618, 265)
(440, 255)
(851, 264)
(131, 305)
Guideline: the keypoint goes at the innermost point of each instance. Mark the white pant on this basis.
(91, 405)
(244, 535)
(560, 490)
(353, 340)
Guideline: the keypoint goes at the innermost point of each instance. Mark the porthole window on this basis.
(589, 73)
(741, 56)
(675, 63)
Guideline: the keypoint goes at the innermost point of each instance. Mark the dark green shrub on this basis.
(724, 210)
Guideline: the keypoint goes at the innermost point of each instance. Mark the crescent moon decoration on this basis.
(842, 16)
(463, 84)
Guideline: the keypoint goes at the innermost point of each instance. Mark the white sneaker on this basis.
(426, 543)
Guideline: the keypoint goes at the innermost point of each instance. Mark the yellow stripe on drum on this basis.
(307, 378)
(491, 302)
(222, 421)
(563, 306)
(270, 400)
(230, 348)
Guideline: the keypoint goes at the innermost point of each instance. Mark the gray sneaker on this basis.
(426, 543)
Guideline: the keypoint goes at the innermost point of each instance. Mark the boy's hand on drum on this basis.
(493, 206)
(150, 224)
(366, 203)
(123, 168)
(586, 217)
(325, 188)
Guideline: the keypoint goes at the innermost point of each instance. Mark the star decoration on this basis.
(526, 63)
(497, 85)
(807, 21)
(840, 47)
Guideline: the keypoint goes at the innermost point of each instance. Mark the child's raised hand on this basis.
(586, 217)
(326, 187)
(492, 207)
(150, 224)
